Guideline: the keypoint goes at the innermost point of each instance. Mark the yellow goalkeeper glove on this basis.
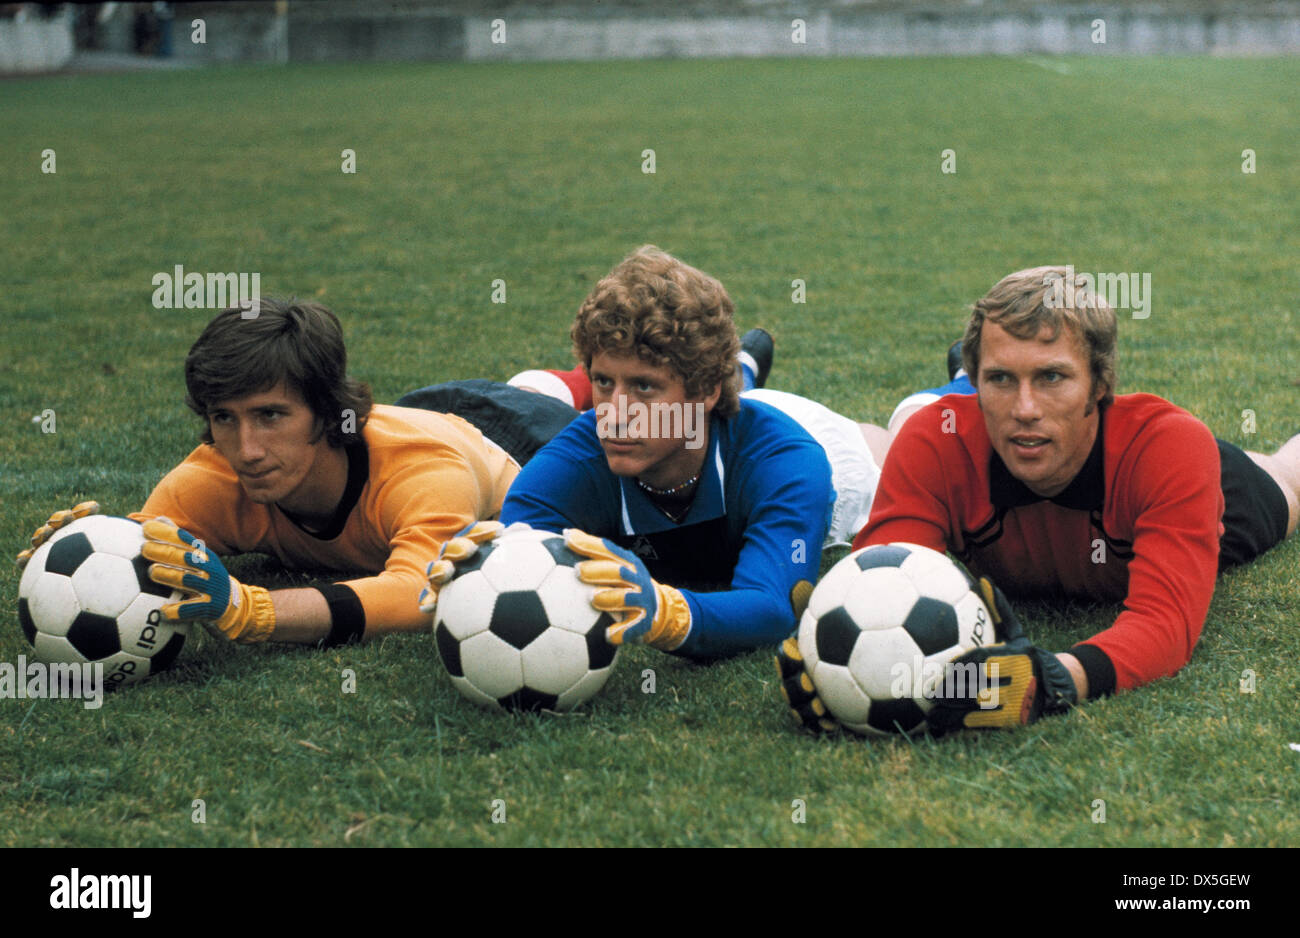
(57, 520)
(459, 548)
(648, 613)
(240, 613)
(1015, 682)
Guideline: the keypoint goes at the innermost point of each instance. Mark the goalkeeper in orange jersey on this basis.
(297, 462)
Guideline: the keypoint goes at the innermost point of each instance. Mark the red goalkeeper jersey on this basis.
(1140, 523)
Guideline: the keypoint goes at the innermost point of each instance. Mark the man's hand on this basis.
(459, 548)
(1014, 683)
(211, 595)
(57, 520)
(798, 691)
(647, 612)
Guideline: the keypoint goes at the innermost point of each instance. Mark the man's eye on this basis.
(644, 387)
(219, 418)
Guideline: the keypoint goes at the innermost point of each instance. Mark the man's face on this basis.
(649, 447)
(271, 439)
(1038, 403)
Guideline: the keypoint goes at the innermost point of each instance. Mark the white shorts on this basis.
(919, 399)
(854, 474)
(545, 383)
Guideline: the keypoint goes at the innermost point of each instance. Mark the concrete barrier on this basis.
(915, 30)
(352, 30)
(35, 43)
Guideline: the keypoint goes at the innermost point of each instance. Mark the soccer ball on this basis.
(878, 630)
(516, 628)
(86, 596)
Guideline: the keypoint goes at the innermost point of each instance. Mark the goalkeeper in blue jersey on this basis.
(702, 513)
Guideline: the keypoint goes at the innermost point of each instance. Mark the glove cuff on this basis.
(1097, 667)
(1058, 691)
(672, 625)
(252, 619)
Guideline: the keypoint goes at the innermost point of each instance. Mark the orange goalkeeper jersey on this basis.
(420, 477)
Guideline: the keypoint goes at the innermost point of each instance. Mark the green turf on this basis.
(767, 171)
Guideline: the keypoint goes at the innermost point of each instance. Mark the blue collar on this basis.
(639, 514)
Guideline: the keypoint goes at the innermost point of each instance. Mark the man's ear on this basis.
(1099, 390)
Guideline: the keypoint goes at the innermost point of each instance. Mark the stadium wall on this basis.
(915, 30)
(477, 30)
(35, 43)
(344, 31)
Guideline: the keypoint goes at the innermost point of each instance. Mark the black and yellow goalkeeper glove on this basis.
(1006, 624)
(1001, 686)
(798, 691)
(57, 520)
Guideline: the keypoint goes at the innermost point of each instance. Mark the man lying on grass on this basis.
(1049, 484)
(297, 462)
(855, 450)
(702, 511)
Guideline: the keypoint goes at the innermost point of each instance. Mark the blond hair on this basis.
(1027, 301)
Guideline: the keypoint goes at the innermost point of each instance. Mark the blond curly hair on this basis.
(664, 312)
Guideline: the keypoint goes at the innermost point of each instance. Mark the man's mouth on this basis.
(254, 476)
(1029, 442)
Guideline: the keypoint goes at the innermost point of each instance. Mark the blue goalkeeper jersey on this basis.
(753, 532)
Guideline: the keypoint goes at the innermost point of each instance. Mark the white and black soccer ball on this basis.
(86, 596)
(878, 630)
(516, 629)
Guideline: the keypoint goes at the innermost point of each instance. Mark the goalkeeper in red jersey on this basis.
(1047, 483)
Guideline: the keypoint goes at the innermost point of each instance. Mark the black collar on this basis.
(1086, 491)
(358, 476)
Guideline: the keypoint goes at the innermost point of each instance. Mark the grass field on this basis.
(766, 172)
